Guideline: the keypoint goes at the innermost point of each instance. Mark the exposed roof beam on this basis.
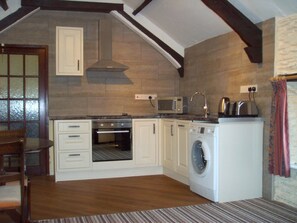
(15, 17)
(145, 3)
(163, 45)
(73, 5)
(3, 4)
(248, 31)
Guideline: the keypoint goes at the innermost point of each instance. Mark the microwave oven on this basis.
(171, 105)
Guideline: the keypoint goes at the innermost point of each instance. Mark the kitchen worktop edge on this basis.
(189, 117)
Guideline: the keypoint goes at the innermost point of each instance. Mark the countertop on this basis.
(191, 117)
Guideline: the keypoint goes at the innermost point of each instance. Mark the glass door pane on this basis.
(23, 87)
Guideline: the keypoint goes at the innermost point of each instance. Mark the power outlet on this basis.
(145, 96)
(245, 88)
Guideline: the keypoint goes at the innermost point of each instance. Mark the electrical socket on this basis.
(245, 88)
(145, 96)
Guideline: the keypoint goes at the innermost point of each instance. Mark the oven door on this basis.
(112, 144)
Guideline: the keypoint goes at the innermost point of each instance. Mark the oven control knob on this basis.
(101, 124)
(111, 124)
(122, 124)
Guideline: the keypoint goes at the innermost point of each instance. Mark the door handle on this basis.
(74, 136)
(73, 126)
(154, 128)
(120, 131)
(171, 130)
(74, 154)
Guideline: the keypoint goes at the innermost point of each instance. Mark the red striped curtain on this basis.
(279, 154)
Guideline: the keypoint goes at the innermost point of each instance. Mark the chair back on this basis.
(11, 162)
(13, 181)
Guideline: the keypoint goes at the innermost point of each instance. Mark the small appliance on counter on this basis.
(240, 108)
(224, 107)
(171, 105)
(245, 108)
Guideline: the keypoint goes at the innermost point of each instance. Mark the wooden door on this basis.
(23, 96)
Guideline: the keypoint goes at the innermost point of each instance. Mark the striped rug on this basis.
(254, 210)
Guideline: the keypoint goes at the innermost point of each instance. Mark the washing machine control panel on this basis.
(202, 130)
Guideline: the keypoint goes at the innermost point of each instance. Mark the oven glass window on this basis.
(111, 144)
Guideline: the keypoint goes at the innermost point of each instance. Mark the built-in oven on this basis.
(111, 139)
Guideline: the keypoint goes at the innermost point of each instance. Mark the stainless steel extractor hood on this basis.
(105, 62)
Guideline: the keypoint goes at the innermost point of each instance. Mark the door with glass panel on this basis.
(23, 97)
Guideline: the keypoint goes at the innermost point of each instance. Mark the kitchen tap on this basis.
(205, 107)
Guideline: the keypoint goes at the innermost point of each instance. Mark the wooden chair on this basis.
(9, 160)
(15, 191)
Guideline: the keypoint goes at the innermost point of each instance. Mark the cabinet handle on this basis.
(171, 130)
(154, 128)
(74, 126)
(74, 136)
(181, 126)
(74, 154)
(77, 64)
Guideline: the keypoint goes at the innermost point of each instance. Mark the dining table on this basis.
(31, 145)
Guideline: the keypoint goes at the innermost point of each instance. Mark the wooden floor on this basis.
(91, 197)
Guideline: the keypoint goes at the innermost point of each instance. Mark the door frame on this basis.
(42, 52)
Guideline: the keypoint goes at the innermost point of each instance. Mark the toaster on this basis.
(245, 108)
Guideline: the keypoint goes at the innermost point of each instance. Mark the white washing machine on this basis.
(203, 160)
(225, 162)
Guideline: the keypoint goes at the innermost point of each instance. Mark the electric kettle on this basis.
(224, 107)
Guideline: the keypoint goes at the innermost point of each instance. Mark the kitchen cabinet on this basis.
(145, 142)
(69, 51)
(73, 145)
(174, 145)
(167, 142)
(182, 144)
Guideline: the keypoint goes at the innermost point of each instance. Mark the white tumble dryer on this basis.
(225, 159)
(203, 170)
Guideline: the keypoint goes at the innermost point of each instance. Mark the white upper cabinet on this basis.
(69, 51)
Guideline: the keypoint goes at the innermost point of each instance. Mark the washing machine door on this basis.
(200, 157)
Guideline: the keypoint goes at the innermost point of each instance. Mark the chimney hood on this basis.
(105, 62)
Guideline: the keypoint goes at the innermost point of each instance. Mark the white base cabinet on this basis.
(174, 145)
(145, 142)
(167, 142)
(73, 146)
(73, 152)
(182, 150)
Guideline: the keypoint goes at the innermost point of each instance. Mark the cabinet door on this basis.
(182, 150)
(168, 136)
(145, 137)
(69, 51)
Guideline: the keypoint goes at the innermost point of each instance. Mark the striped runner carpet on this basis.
(253, 210)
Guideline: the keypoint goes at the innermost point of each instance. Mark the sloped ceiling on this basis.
(183, 23)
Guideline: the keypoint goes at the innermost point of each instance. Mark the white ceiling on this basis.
(189, 21)
(183, 23)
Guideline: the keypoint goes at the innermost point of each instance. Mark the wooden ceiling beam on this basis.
(3, 4)
(73, 5)
(142, 6)
(15, 16)
(163, 45)
(248, 31)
